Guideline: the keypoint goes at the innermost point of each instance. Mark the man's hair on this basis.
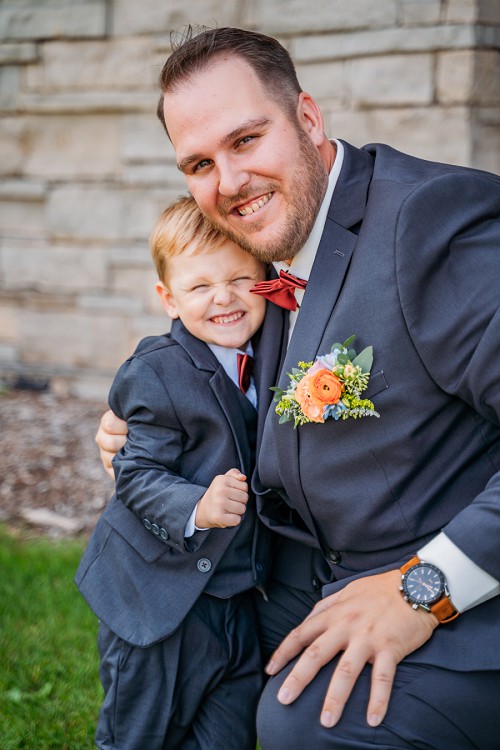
(181, 226)
(194, 50)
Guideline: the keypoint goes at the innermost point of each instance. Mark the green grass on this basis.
(49, 689)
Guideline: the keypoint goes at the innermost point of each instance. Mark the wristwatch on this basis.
(424, 586)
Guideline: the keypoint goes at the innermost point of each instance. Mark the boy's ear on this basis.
(166, 300)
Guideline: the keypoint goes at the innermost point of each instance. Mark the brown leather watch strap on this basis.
(444, 610)
(414, 561)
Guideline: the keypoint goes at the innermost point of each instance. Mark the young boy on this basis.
(172, 559)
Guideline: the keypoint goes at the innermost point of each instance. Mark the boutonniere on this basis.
(331, 386)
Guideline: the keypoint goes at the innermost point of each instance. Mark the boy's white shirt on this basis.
(229, 361)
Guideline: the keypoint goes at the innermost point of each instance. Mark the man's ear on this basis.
(166, 300)
(310, 118)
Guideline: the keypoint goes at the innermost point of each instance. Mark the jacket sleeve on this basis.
(147, 468)
(449, 282)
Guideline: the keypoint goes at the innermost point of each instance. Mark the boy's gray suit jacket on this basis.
(138, 573)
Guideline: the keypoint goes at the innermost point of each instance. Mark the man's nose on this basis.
(232, 178)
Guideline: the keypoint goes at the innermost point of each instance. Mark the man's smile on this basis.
(253, 206)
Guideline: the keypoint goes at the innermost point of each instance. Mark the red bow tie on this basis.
(245, 369)
(281, 290)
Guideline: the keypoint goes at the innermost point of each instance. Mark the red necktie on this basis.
(281, 290)
(245, 369)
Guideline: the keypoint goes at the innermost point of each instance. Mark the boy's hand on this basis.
(110, 437)
(224, 503)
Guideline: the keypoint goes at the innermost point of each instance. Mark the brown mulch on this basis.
(51, 477)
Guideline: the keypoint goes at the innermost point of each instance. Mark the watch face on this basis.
(423, 584)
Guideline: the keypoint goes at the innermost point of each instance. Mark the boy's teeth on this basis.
(247, 210)
(227, 318)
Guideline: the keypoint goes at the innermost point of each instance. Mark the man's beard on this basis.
(304, 200)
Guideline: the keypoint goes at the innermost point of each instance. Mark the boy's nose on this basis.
(223, 295)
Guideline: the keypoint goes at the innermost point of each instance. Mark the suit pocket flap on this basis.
(376, 384)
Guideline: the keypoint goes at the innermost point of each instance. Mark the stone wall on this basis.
(86, 167)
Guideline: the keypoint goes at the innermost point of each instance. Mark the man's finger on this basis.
(346, 673)
(320, 652)
(383, 672)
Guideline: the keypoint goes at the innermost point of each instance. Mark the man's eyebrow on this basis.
(232, 136)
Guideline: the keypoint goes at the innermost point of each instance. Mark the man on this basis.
(404, 254)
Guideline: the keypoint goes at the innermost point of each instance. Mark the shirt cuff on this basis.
(468, 584)
(191, 527)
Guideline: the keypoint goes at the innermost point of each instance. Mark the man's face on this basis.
(255, 173)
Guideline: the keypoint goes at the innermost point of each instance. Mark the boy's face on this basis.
(210, 293)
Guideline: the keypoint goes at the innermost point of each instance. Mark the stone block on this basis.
(47, 267)
(391, 80)
(454, 76)
(144, 139)
(327, 47)
(486, 139)
(298, 17)
(156, 17)
(138, 284)
(469, 77)
(62, 146)
(327, 80)
(9, 87)
(125, 305)
(87, 102)
(105, 212)
(9, 322)
(42, 21)
(23, 218)
(18, 52)
(424, 12)
(435, 133)
(83, 340)
(118, 64)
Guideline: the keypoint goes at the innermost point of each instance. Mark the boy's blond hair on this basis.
(181, 226)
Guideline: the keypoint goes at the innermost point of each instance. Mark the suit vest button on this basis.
(334, 557)
(203, 565)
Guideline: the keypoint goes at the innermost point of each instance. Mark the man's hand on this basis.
(110, 437)
(371, 623)
(224, 503)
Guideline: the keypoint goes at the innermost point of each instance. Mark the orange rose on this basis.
(310, 407)
(325, 387)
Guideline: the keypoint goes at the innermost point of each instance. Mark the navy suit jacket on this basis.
(139, 574)
(409, 262)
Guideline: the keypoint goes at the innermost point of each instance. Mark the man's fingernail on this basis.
(327, 719)
(374, 720)
(284, 696)
(271, 667)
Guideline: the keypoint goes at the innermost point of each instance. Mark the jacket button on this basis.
(334, 557)
(163, 534)
(155, 528)
(316, 584)
(203, 565)
(147, 523)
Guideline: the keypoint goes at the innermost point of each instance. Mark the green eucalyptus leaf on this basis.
(349, 341)
(364, 359)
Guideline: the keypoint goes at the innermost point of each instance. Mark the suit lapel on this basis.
(222, 386)
(323, 288)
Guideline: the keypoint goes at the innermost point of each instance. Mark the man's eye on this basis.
(201, 165)
(246, 139)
